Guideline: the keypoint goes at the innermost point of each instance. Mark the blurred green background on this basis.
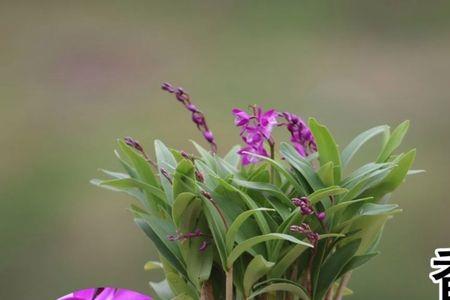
(75, 75)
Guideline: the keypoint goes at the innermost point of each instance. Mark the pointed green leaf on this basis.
(235, 226)
(393, 142)
(359, 141)
(256, 269)
(326, 146)
(248, 244)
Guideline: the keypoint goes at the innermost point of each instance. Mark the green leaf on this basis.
(232, 157)
(235, 226)
(151, 265)
(301, 189)
(248, 244)
(359, 187)
(333, 266)
(169, 251)
(184, 178)
(326, 146)
(130, 186)
(326, 173)
(162, 290)
(185, 210)
(358, 261)
(395, 177)
(141, 165)
(178, 285)
(284, 263)
(266, 187)
(368, 230)
(256, 269)
(359, 141)
(393, 142)
(218, 229)
(166, 161)
(206, 156)
(326, 192)
(292, 288)
(301, 165)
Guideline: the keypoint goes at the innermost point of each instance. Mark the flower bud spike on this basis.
(197, 116)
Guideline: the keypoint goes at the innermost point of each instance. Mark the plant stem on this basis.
(229, 284)
(329, 295)
(342, 286)
(207, 291)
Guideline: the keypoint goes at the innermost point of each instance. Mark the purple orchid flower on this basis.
(301, 135)
(256, 129)
(106, 293)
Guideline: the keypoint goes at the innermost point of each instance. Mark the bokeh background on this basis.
(75, 75)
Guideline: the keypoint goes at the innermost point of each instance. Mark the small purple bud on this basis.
(209, 136)
(185, 154)
(167, 87)
(313, 237)
(172, 238)
(295, 228)
(203, 246)
(191, 107)
(321, 216)
(198, 119)
(199, 176)
(181, 95)
(133, 143)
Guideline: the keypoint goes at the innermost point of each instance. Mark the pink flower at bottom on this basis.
(107, 293)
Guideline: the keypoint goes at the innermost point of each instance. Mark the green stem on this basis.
(229, 284)
(342, 286)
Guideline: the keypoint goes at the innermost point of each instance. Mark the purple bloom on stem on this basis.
(267, 120)
(301, 135)
(106, 293)
(256, 129)
(240, 117)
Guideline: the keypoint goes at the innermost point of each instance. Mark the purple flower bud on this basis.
(199, 176)
(321, 216)
(185, 154)
(181, 95)
(209, 136)
(198, 119)
(167, 87)
(133, 143)
(172, 237)
(313, 237)
(191, 107)
(203, 246)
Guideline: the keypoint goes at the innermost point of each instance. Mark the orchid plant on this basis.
(268, 220)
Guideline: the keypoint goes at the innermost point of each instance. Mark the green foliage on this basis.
(232, 222)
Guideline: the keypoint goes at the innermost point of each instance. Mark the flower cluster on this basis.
(301, 136)
(256, 129)
(197, 116)
(304, 228)
(189, 235)
(306, 208)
